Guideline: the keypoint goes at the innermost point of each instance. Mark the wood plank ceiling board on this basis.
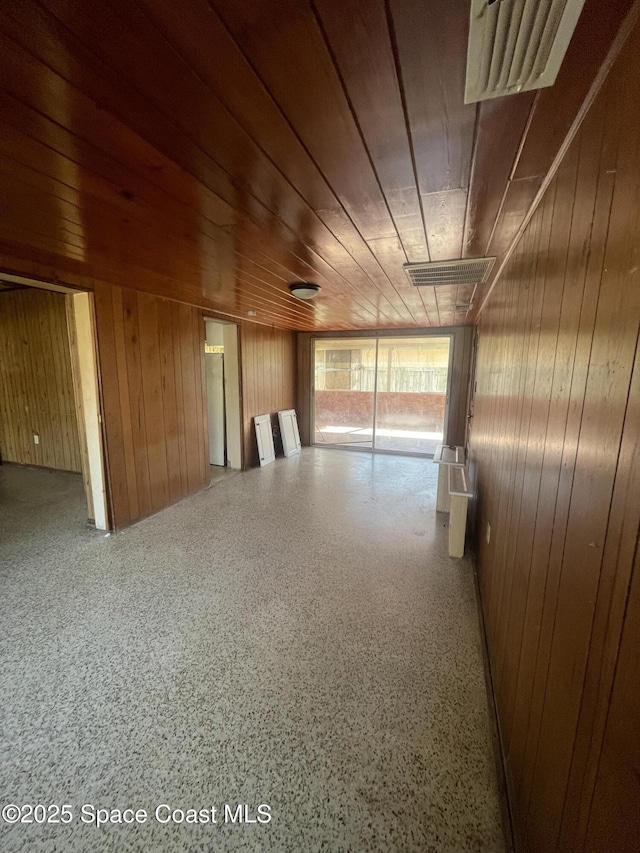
(57, 116)
(501, 124)
(213, 152)
(360, 40)
(329, 132)
(441, 124)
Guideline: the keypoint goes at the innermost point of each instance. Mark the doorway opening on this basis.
(50, 416)
(382, 394)
(222, 377)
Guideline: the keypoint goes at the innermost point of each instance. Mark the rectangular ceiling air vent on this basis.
(517, 45)
(468, 271)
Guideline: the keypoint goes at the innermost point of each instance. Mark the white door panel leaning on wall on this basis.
(264, 437)
(289, 432)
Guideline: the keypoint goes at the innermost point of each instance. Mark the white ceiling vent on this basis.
(517, 45)
(468, 271)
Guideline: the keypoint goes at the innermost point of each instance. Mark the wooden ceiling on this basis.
(215, 151)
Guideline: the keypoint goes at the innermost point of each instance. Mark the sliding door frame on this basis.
(377, 335)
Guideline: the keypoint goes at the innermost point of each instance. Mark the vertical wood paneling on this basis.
(555, 447)
(151, 355)
(460, 366)
(614, 819)
(268, 359)
(169, 400)
(36, 381)
(304, 389)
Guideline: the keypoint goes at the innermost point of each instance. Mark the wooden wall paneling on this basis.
(52, 330)
(492, 394)
(189, 396)
(490, 405)
(462, 343)
(611, 359)
(555, 453)
(499, 447)
(508, 445)
(584, 240)
(533, 419)
(11, 389)
(614, 818)
(169, 400)
(557, 105)
(126, 401)
(36, 381)
(556, 364)
(151, 355)
(155, 436)
(131, 332)
(557, 114)
(613, 607)
(517, 200)
(55, 330)
(44, 379)
(543, 330)
(268, 378)
(304, 399)
(10, 392)
(543, 484)
(181, 414)
(41, 404)
(518, 426)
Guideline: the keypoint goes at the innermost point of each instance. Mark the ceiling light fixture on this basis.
(304, 289)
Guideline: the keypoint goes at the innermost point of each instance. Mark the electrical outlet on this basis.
(488, 533)
(36, 438)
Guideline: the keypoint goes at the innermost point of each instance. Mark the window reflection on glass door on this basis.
(411, 393)
(388, 394)
(344, 385)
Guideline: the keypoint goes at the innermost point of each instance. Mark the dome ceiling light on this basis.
(304, 289)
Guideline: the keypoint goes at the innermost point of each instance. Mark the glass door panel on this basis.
(344, 378)
(411, 393)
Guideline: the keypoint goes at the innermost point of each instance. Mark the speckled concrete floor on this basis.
(294, 636)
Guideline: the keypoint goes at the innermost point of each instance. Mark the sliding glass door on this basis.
(387, 394)
(344, 391)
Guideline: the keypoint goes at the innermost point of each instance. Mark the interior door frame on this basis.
(377, 334)
(85, 364)
(232, 380)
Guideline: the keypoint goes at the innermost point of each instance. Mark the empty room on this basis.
(320, 426)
